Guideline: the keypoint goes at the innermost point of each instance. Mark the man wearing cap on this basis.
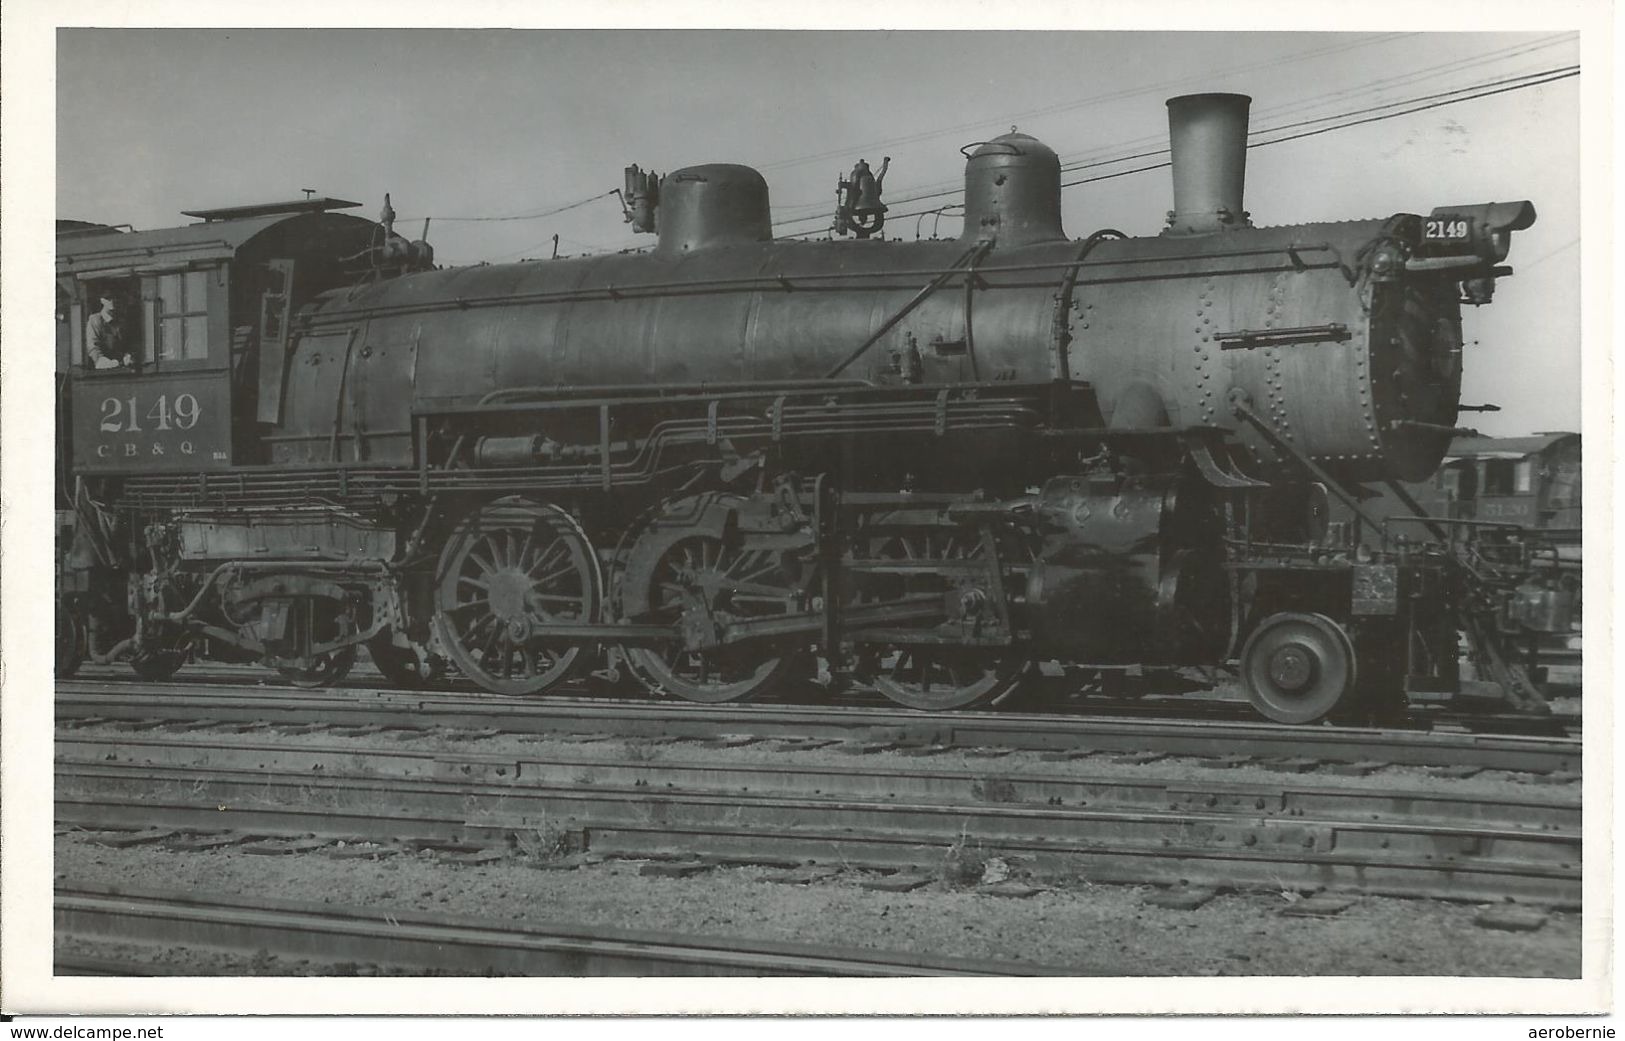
(103, 341)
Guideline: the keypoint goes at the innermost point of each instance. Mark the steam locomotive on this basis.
(709, 464)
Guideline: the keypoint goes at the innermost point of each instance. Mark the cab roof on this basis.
(219, 236)
(1506, 447)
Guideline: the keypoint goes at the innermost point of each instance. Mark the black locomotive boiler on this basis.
(713, 462)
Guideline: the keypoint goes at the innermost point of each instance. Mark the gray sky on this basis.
(498, 123)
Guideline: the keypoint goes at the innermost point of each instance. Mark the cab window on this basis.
(1565, 483)
(178, 317)
(1498, 477)
(64, 329)
(127, 337)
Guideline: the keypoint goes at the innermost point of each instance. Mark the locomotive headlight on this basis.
(1386, 263)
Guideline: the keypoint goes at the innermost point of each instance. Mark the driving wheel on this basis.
(935, 677)
(511, 568)
(693, 579)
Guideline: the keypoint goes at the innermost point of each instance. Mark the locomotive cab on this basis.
(178, 317)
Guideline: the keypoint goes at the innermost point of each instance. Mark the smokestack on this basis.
(1208, 135)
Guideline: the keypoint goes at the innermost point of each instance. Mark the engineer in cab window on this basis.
(104, 338)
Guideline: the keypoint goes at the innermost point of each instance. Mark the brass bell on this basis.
(858, 209)
(866, 186)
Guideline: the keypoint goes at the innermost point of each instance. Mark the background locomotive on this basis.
(931, 463)
(1512, 506)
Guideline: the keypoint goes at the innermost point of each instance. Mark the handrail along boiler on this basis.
(707, 464)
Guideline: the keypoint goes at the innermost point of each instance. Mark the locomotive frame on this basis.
(847, 466)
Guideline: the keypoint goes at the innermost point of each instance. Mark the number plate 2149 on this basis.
(1447, 229)
(150, 425)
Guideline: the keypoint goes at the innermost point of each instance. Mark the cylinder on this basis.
(1208, 136)
(1129, 570)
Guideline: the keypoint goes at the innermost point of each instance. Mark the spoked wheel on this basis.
(313, 621)
(943, 678)
(402, 666)
(696, 579)
(933, 677)
(72, 642)
(1298, 668)
(511, 567)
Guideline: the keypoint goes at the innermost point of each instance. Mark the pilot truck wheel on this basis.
(1298, 668)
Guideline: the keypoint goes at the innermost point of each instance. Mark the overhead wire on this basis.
(1088, 159)
(1364, 111)
(1520, 49)
(947, 189)
(1375, 87)
(1549, 254)
(547, 242)
(1094, 99)
(1162, 86)
(1407, 78)
(1339, 121)
(1550, 76)
(1441, 100)
(520, 216)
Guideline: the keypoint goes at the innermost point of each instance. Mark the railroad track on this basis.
(1186, 699)
(417, 942)
(82, 700)
(1103, 828)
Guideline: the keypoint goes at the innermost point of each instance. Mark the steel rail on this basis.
(1298, 800)
(79, 699)
(65, 964)
(1048, 697)
(1471, 862)
(422, 941)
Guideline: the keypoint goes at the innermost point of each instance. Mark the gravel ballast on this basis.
(1081, 928)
